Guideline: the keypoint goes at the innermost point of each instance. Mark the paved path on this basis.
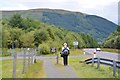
(58, 71)
(52, 69)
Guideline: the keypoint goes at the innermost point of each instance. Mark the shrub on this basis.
(45, 48)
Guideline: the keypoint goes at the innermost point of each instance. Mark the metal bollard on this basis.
(94, 54)
(98, 63)
(92, 61)
(114, 68)
(84, 51)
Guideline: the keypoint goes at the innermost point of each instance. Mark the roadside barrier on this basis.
(108, 62)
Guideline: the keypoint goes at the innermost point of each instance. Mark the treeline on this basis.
(25, 32)
(113, 41)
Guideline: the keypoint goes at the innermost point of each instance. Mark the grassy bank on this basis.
(36, 70)
(111, 50)
(87, 71)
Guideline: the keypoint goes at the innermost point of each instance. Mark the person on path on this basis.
(65, 52)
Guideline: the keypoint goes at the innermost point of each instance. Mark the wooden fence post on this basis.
(57, 58)
(14, 65)
(98, 63)
(114, 68)
(35, 55)
(28, 58)
(32, 56)
(24, 60)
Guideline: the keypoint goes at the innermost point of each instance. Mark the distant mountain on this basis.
(94, 25)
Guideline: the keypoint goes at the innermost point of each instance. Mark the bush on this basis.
(45, 48)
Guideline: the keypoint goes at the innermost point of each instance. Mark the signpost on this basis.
(75, 44)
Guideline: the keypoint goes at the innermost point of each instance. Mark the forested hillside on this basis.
(113, 41)
(100, 28)
(26, 32)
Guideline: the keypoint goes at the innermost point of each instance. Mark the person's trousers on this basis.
(65, 60)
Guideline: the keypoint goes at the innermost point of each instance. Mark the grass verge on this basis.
(111, 50)
(73, 52)
(87, 71)
(36, 70)
(76, 52)
(0, 70)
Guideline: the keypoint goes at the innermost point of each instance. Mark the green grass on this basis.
(87, 71)
(111, 50)
(72, 52)
(76, 52)
(7, 52)
(0, 69)
(36, 70)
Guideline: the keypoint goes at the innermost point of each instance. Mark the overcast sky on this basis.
(104, 8)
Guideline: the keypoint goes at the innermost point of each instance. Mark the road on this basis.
(89, 53)
(107, 55)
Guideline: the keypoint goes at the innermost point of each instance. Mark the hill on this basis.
(113, 40)
(25, 32)
(94, 25)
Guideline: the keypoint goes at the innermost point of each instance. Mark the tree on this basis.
(113, 40)
(89, 41)
(50, 33)
(16, 21)
(6, 39)
(27, 39)
(118, 42)
(40, 36)
(118, 28)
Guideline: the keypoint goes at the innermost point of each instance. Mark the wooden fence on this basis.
(28, 54)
